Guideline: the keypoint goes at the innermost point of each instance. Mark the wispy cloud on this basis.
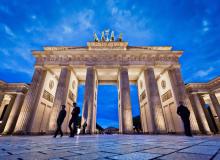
(85, 19)
(203, 73)
(15, 67)
(8, 31)
(124, 19)
(67, 29)
(4, 52)
(205, 24)
(33, 17)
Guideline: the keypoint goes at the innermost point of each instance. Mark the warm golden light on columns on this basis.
(28, 109)
(7, 112)
(89, 106)
(207, 115)
(60, 96)
(215, 104)
(156, 123)
(199, 113)
(126, 121)
(13, 116)
(181, 95)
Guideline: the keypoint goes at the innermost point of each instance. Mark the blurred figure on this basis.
(60, 120)
(73, 120)
(184, 113)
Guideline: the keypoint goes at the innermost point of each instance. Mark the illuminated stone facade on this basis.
(205, 98)
(11, 99)
(59, 71)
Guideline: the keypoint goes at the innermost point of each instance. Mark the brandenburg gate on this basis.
(59, 71)
(33, 108)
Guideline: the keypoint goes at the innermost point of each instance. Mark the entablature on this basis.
(13, 88)
(108, 59)
(208, 87)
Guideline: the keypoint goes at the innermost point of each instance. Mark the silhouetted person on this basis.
(60, 120)
(73, 120)
(184, 113)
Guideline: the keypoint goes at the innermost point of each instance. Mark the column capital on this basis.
(19, 93)
(66, 66)
(148, 67)
(90, 66)
(39, 67)
(211, 92)
(123, 67)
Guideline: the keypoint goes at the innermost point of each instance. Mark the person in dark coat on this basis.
(184, 113)
(60, 120)
(73, 120)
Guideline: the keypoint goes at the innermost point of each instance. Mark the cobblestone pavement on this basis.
(108, 147)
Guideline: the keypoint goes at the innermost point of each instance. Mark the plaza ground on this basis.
(107, 147)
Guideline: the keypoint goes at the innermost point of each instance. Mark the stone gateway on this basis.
(33, 109)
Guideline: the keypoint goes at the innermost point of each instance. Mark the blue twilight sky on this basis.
(189, 25)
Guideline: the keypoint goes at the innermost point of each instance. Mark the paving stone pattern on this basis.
(110, 147)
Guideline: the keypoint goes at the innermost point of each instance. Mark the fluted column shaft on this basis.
(207, 114)
(157, 122)
(199, 113)
(180, 94)
(89, 105)
(215, 104)
(29, 107)
(6, 114)
(60, 96)
(13, 116)
(125, 102)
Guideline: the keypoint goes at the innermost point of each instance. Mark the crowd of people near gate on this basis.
(182, 111)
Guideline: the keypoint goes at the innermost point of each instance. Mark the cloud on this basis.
(33, 17)
(8, 31)
(15, 67)
(24, 51)
(85, 19)
(4, 52)
(130, 22)
(203, 73)
(205, 24)
(205, 29)
(67, 29)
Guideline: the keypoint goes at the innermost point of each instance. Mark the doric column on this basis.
(6, 114)
(207, 114)
(157, 122)
(1, 99)
(13, 116)
(180, 94)
(60, 96)
(126, 121)
(199, 113)
(89, 106)
(29, 107)
(215, 104)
